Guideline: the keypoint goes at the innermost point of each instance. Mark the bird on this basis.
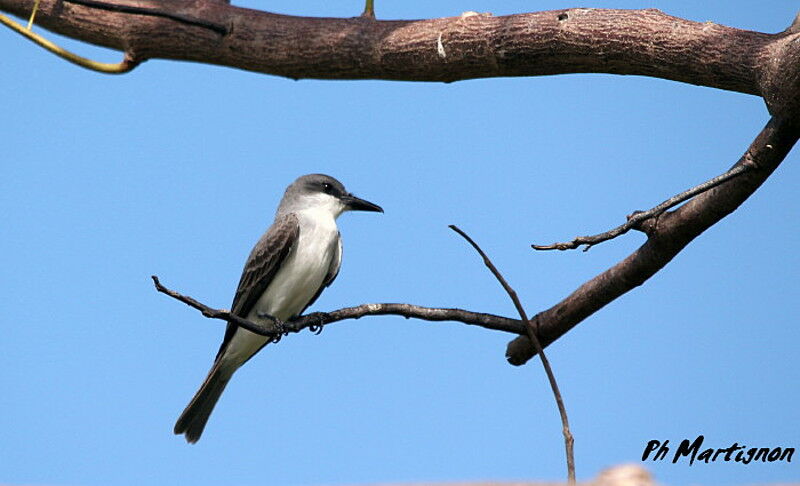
(291, 264)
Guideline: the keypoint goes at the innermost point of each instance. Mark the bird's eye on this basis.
(327, 188)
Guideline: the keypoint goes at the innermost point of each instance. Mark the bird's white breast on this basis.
(300, 277)
(305, 268)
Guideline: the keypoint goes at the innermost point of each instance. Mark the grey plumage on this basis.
(262, 264)
(290, 265)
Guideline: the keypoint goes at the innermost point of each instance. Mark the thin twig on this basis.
(568, 439)
(487, 321)
(127, 64)
(674, 231)
(638, 217)
(33, 14)
(263, 330)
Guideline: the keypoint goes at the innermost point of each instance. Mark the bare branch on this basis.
(270, 331)
(488, 321)
(636, 219)
(569, 440)
(673, 231)
(579, 40)
(486, 261)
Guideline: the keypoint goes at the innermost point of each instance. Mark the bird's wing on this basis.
(263, 263)
(333, 271)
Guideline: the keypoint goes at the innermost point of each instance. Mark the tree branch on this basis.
(569, 440)
(667, 236)
(488, 321)
(636, 219)
(580, 40)
(272, 331)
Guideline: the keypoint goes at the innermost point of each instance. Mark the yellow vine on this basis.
(109, 68)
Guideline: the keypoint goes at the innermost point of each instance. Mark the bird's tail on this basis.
(193, 419)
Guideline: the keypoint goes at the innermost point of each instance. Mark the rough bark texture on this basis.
(643, 42)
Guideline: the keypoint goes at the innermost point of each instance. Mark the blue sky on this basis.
(175, 169)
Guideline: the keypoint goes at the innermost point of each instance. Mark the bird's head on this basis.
(323, 193)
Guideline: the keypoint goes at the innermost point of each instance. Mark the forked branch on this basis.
(636, 219)
(673, 231)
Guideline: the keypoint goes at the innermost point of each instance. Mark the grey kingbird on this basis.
(289, 267)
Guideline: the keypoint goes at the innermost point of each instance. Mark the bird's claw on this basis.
(317, 328)
(280, 328)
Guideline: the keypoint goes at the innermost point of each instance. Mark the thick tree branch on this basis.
(642, 42)
(667, 236)
(488, 321)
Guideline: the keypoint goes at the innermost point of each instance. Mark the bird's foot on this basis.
(280, 327)
(317, 328)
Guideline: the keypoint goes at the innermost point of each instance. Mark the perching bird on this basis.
(289, 267)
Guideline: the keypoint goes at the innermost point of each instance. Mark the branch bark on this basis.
(580, 40)
(667, 234)
(636, 219)
(487, 321)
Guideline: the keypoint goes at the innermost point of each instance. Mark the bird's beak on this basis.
(357, 204)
